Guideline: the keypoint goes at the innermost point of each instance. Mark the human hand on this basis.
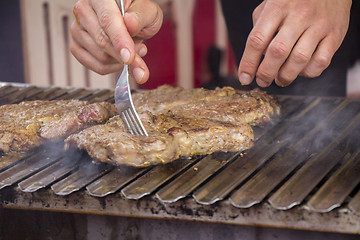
(297, 37)
(103, 40)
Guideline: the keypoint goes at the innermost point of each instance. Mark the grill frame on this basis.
(340, 220)
(344, 219)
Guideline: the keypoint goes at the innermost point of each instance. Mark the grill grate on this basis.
(309, 156)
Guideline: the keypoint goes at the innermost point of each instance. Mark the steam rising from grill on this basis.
(309, 156)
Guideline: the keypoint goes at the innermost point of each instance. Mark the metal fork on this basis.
(123, 101)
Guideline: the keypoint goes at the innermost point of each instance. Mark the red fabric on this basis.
(161, 59)
(204, 37)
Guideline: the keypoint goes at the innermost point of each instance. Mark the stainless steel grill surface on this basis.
(307, 162)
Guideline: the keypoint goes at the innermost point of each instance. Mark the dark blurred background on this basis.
(11, 52)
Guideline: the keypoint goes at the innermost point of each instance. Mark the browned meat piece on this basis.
(180, 123)
(169, 137)
(24, 126)
(165, 97)
(223, 104)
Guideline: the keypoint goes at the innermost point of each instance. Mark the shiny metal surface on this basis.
(123, 101)
(194, 176)
(334, 192)
(49, 175)
(113, 181)
(85, 174)
(155, 178)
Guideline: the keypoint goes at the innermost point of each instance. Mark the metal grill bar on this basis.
(193, 177)
(295, 190)
(19, 95)
(333, 193)
(75, 94)
(47, 94)
(5, 90)
(26, 168)
(259, 186)
(49, 175)
(113, 181)
(80, 178)
(10, 159)
(153, 179)
(99, 96)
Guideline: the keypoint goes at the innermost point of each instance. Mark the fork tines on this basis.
(133, 122)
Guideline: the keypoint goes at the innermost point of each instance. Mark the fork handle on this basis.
(120, 3)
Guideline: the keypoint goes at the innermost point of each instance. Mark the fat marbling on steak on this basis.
(26, 125)
(180, 122)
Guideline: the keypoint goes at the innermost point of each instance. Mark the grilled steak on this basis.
(180, 123)
(222, 104)
(169, 137)
(26, 125)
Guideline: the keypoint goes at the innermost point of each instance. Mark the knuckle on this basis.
(304, 12)
(254, 16)
(277, 3)
(255, 13)
(300, 56)
(278, 6)
(322, 61)
(265, 75)
(285, 78)
(105, 19)
(102, 40)
(159, 16)
(278, 49)
(117, 42)
(256, 40)
(247, 64)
